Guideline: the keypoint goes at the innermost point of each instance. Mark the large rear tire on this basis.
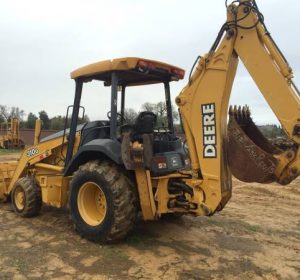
(26, 197)
(102, 203)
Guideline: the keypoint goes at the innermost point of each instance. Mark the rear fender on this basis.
(96, 149)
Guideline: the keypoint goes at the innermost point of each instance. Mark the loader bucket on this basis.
(7, 170)
(250, 155)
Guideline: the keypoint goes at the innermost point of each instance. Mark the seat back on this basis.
(145, 123)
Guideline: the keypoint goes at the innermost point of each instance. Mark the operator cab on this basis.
(138, 145)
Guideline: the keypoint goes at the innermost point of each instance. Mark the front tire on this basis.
(102, 203)
(26, 197)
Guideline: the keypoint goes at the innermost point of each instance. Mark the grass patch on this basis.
(9, 151)
(253, 228)
(230, 224)
(213, 221)
(139, 239)
(110, 251)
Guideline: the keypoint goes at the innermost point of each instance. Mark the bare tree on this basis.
(6, 113)
(160, 109)
(16, 112)
(130, 115)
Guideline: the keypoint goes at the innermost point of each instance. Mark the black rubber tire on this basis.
(33, 197)
(121, 209)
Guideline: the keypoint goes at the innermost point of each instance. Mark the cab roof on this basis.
(131, 71)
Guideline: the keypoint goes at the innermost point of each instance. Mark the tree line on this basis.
(58, 122)
(54, 123)
(159, 108)
(272, 131)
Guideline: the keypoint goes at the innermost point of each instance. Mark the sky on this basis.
(41, 42)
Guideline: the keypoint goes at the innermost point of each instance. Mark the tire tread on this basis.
(124, 199)
(33, 195)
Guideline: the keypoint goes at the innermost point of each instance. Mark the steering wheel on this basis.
(119, 117)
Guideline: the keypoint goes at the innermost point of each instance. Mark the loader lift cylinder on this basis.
(74, 121)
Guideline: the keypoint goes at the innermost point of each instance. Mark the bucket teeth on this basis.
(244, 112)
(241, 114)
(235, 109)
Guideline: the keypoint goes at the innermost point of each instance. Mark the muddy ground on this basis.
(257, 236)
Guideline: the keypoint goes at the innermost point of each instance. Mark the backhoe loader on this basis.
(10, 136)
(107, 171)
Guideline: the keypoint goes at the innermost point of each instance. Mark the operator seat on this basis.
(144, 124)
(142, 132)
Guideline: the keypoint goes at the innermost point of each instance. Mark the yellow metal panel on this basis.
(51, 192)
(126, 63)
(54, 189)
(145, 194)
(162, 196)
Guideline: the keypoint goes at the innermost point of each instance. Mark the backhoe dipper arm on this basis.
(204, 101)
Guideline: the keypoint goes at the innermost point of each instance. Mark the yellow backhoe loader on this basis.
(107, 170)
(10, 135)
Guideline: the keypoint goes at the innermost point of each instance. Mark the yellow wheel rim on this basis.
(91, 203)
(19, 198)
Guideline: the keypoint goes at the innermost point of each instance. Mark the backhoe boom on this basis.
(243, 36)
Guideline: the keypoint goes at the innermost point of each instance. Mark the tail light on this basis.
(178, 72)
(160, 162)
(146, 65)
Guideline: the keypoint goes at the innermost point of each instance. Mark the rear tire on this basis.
(26, 197)
(102, 203)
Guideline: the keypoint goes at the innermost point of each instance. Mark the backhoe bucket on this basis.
(251, 156)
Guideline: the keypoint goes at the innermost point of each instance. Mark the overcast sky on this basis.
(43, 41)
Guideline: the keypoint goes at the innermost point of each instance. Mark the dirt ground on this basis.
(257, 236)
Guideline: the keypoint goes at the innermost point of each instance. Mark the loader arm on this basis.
(203, 105)
(31, 156)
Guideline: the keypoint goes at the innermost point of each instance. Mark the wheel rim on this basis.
(19, 198)
(92, 204)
